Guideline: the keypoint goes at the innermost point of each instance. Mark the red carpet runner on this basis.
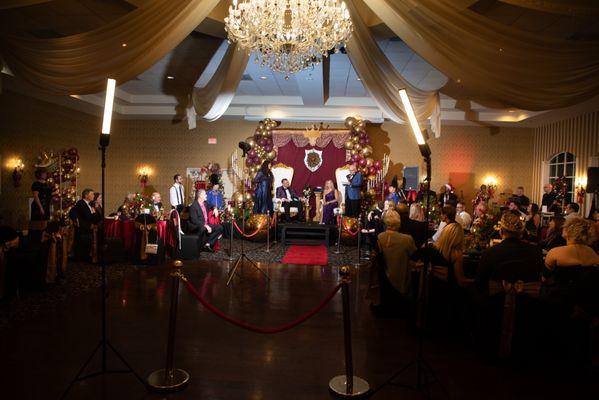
(306, 255)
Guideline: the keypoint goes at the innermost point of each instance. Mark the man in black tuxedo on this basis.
(447, 196)
(550, 199)
(86, 216)
(156, 202)
(208, 234)
(289, 199)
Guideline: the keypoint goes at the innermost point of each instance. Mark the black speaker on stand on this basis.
(593, 187)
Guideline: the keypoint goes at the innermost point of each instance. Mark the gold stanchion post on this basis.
(347, 385)
(170, 379)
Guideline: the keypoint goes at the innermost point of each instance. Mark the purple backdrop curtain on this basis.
(293, 156)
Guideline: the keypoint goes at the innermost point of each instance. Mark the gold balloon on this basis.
(360, 126)
(366, 151)
(251, 142)
(349, 145)
(372, 192)
(237, 198)
(349, 224)
(358, 147)
(369, 161)
(349, 122)
(355, 139)
(271, 155)
(365, 171)
(353, 152)
(255, 222)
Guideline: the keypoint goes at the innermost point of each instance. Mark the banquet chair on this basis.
(281, 171)
(146, 233)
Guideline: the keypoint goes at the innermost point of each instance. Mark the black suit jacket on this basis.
(452, 199)
(196, 217)
(416, 229)
(280, 193)
(85, 216)
(510, 260)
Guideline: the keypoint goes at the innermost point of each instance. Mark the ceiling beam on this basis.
(313, 83)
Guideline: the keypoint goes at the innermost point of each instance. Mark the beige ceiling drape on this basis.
(382, 80)
(6, 4)
(579, 8)
(491, 61)
(212, 100)
(80, 64)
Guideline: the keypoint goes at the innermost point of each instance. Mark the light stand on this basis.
(104, 344)
(242, 255)
(425, 375)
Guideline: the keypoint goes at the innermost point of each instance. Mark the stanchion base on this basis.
(158, 381)
(338, 385)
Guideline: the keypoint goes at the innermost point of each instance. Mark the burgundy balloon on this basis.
(362, 162)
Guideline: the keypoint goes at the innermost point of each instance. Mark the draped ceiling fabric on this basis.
(281, 137)
(579, 8)
(212, 100)
(80, 64)
(6, 4)
(383, 81)
(492, 61)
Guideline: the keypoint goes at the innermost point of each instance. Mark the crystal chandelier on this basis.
(289, 35)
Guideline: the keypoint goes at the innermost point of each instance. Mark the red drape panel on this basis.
(293, 156)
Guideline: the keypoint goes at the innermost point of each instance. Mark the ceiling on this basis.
(329, 92)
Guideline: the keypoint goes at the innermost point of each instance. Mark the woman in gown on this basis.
(331, 198)
(263, 195)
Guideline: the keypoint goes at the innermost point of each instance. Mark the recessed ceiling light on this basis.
(263, 78)
(358, 79)
(170, 77)
(123, 44)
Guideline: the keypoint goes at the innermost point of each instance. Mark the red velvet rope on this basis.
(244, 234)
(255, 328)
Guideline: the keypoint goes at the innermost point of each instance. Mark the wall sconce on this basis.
(144, 174)
(490, 180)
(17, 167)
(581, 189)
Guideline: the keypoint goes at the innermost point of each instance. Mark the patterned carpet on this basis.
(84, 278)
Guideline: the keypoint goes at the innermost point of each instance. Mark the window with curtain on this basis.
(564, 164)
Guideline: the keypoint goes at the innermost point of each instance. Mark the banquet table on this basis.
(125, 229)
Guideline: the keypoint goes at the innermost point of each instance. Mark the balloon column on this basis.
(262, 147)
(63, 177)
(361, 150)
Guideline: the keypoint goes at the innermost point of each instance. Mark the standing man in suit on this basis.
(550, 199)
(289, 199)
(86, 216)
(447, 196)
(177, 194)
(198, 222)
(353, 191)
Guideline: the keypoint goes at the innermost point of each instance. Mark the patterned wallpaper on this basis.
(463, 154)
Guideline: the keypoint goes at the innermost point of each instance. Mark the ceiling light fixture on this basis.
(289, 36)
(263, 78)
(170, 77)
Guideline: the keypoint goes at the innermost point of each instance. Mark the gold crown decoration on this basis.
(312, 134)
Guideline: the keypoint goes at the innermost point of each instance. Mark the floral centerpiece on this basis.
(484, 228)
(136, 205)
(307, 192)
(485, 193)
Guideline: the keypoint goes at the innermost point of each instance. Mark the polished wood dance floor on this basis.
(40, 355)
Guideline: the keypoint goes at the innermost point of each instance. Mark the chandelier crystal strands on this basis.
(289, 36)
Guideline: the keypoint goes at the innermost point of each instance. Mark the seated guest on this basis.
(448, 253)
(515, 209)
(156, 202)
(198, 223)
(533, 223)
(462, 217)
(215, 197)
(572, 211)
(289, 199)
(374, 219)
(554, 236)
(393, 195)
(416, 212)
(578, 234)
(416, 229)
(124, 208)
(447, 217)
(520, 199)
(480, 210)
(330, 200)
(595, 244)
(397, 248)
(512, 259)
(86, 217)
